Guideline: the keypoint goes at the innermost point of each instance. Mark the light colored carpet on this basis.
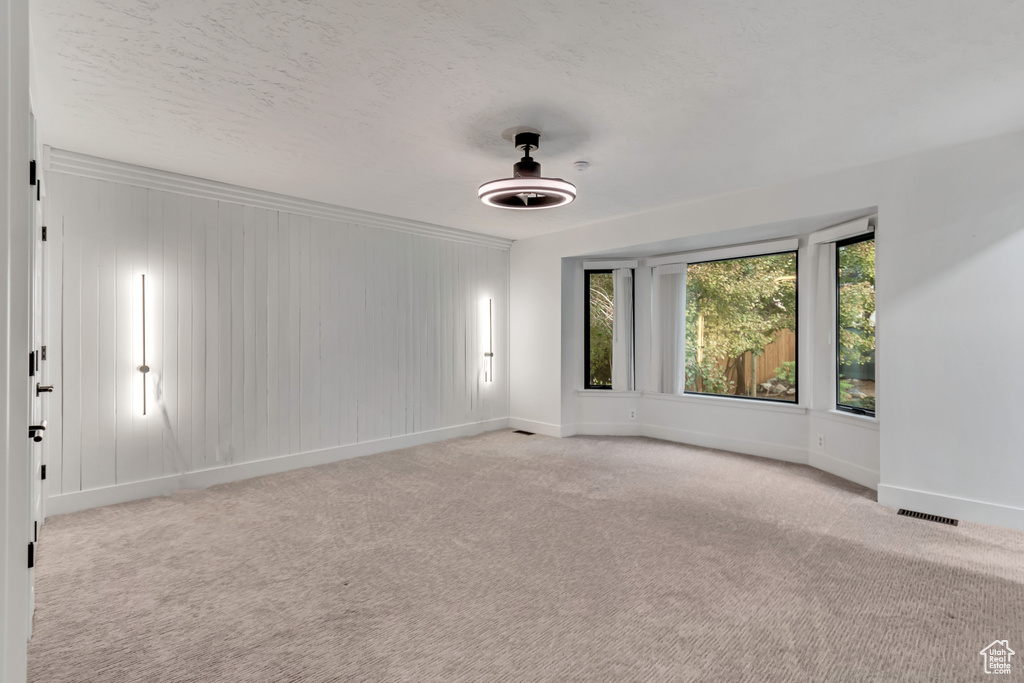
(523, 558)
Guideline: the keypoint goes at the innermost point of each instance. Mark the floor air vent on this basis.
(931, 518)
(523, 431)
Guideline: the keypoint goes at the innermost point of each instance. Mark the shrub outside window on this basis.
(855, 325)
(741, 321)
(600, 317)
(608, 345)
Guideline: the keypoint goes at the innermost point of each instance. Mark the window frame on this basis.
(587, 272)
(795, 250)
(841, 407)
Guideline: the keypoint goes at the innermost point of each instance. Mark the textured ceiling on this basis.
(397, 106)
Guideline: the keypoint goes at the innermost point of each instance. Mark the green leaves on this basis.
(602, 317)
(733, 307)
(856, 302)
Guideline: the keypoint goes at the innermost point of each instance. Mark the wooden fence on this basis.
(775, 354)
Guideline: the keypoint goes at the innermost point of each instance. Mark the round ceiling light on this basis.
(526, 189)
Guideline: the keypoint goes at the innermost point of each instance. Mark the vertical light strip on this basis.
(489, 377)
(143, 368)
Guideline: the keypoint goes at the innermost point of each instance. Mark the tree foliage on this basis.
(602, 315)
(856, 316)
(856, 302)
(733, 307)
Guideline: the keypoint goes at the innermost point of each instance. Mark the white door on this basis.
(40, 384)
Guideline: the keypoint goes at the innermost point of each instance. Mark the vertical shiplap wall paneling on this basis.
(444, 343)
(260, 365)
(294, 237)
(198, 377)
(135, 461)
(389, 320)
(152, 266)
(236, 351)
(329, 416)
(179, 240)
(307, 343)
(166, 394)
(284, 331)
(268, 333)
(431, 396)
(408, 331)
(249, 339)
(91, 463)
(54, 254)
(352, 284)
(108, 334)
(469, 364)
(71, 464)
(373, 317)
(273, 293)
(120, 213)
(312, 411)
(211, 369)
(413, 351)
(103, 472)
(225, 343)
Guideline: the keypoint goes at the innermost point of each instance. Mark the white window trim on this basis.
(609, 265)
(851, 230)
(731, 252)
(836, 233)
(728, 402)
(843, 417)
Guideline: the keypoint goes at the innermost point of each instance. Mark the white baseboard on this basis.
(845, 470)
(545, 428)
(951, 506)
(840, 468)
(163, 486)
(760, 448)
(608, 429)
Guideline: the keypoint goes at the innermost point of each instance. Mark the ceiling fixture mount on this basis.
(526, 189)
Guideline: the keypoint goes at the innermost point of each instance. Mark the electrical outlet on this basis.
(632, 414)
(821, 441)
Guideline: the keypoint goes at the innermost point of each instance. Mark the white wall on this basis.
(15, 226)
(269, 333)
(950, 238)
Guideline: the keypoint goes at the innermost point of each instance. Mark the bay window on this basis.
(608, 333)
(855, 324)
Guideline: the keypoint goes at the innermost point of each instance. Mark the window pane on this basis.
(856, 321)
(740, 327)
(601, 316)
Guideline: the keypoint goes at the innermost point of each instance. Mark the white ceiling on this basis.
(397, 106)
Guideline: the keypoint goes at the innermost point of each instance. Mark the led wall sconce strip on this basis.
(144, 368)
(489, 355)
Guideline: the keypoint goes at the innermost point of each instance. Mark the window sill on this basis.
(606, 393)
(852, 419)
(726, 402)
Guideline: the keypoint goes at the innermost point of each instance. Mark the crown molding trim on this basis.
(63, 161)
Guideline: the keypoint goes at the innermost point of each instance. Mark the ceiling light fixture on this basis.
(526, 189)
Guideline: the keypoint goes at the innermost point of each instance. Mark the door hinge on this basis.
(31, 555)
(43, 472)
(42, 355)
(44, 233)
(32, 364)
(32, 172)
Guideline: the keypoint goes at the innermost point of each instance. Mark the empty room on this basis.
(528, 341)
